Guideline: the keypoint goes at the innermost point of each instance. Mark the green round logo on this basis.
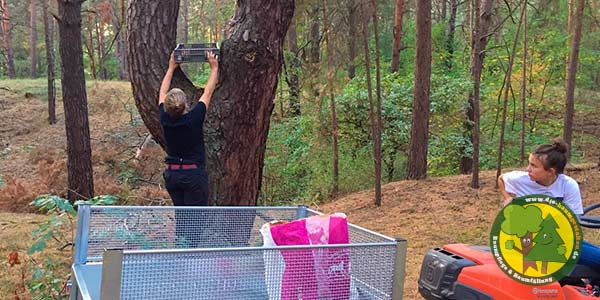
(536, 239)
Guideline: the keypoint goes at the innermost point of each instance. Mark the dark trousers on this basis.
(188, 187)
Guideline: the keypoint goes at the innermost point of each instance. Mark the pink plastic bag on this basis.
(317, 273)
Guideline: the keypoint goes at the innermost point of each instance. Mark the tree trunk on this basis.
(32, 39)
(103, 73)
(293, 69)
(524, 88)
(48, 34)
(397, 35)
(450, 34)
(372, 118)
(378, 124)
(482, 25)
(7, 38)
(330, 79)
(89, 46)
(572, 75)
(419, 132)
(79, 162)
(119, 25)
(507, 89)
(237, 122)
(352, 22)
(183, 22)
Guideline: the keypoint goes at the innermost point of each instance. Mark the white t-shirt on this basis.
(564, 188)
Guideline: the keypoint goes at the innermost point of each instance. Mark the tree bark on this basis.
(352, 22)
(7, 38)
(238, 118)
(48, 34)
(397, 35)
(572, 75)
(507, 89)
(378, 124)
(372, 117)
(334, 122)
(79, 162)
(119, 24)
(419, 132)
(32, 39)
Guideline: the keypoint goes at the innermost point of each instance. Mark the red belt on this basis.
(181, 167)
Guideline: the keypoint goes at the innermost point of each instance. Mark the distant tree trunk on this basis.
(79, 159)
(119, 24)
(372, 117)
(103, 72)
(397, 35)
(293, 69)
(7, 38)
(330, 79)
(182, 26)
(419, 132)
(378, 125)
(594, 8)
(48, 34)
(507, 89)
(450, 34)
(572, 75)
(89, 46)
(314, 56)
(238, 118)
(524, 88)
(481, 26)
(32, 39)
(443, 4)
(352, 24)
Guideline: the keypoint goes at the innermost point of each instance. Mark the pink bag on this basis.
(318, 273)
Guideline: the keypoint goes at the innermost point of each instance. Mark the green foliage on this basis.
(519, 220)
(47, 282)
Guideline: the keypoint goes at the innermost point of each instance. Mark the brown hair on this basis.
(553, 155)
(175, 103)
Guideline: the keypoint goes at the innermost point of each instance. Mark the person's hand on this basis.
(213, 60)
(172, 63)
(507, 201)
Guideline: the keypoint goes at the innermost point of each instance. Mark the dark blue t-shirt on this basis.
(183, 135)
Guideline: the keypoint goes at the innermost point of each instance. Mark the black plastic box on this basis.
(195, 52)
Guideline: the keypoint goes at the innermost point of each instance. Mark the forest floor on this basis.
(427, 213)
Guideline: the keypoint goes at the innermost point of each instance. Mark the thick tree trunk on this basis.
(152, 30)
(352, 22)
(7, 38)
(32, 39)
(238, 119)
(419, 132)
(80, 180)
(397, 35)
(572, 75)
(48, 34)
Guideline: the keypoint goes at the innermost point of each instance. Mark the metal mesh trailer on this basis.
(166, 252)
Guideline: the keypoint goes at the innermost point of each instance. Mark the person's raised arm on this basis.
(213, 61)
(505, 195)
(166, 82)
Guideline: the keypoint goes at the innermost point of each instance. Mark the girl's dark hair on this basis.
(553, 155)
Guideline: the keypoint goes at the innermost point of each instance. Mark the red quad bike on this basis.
(467, 272)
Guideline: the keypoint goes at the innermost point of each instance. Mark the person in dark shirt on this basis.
(185, 173)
